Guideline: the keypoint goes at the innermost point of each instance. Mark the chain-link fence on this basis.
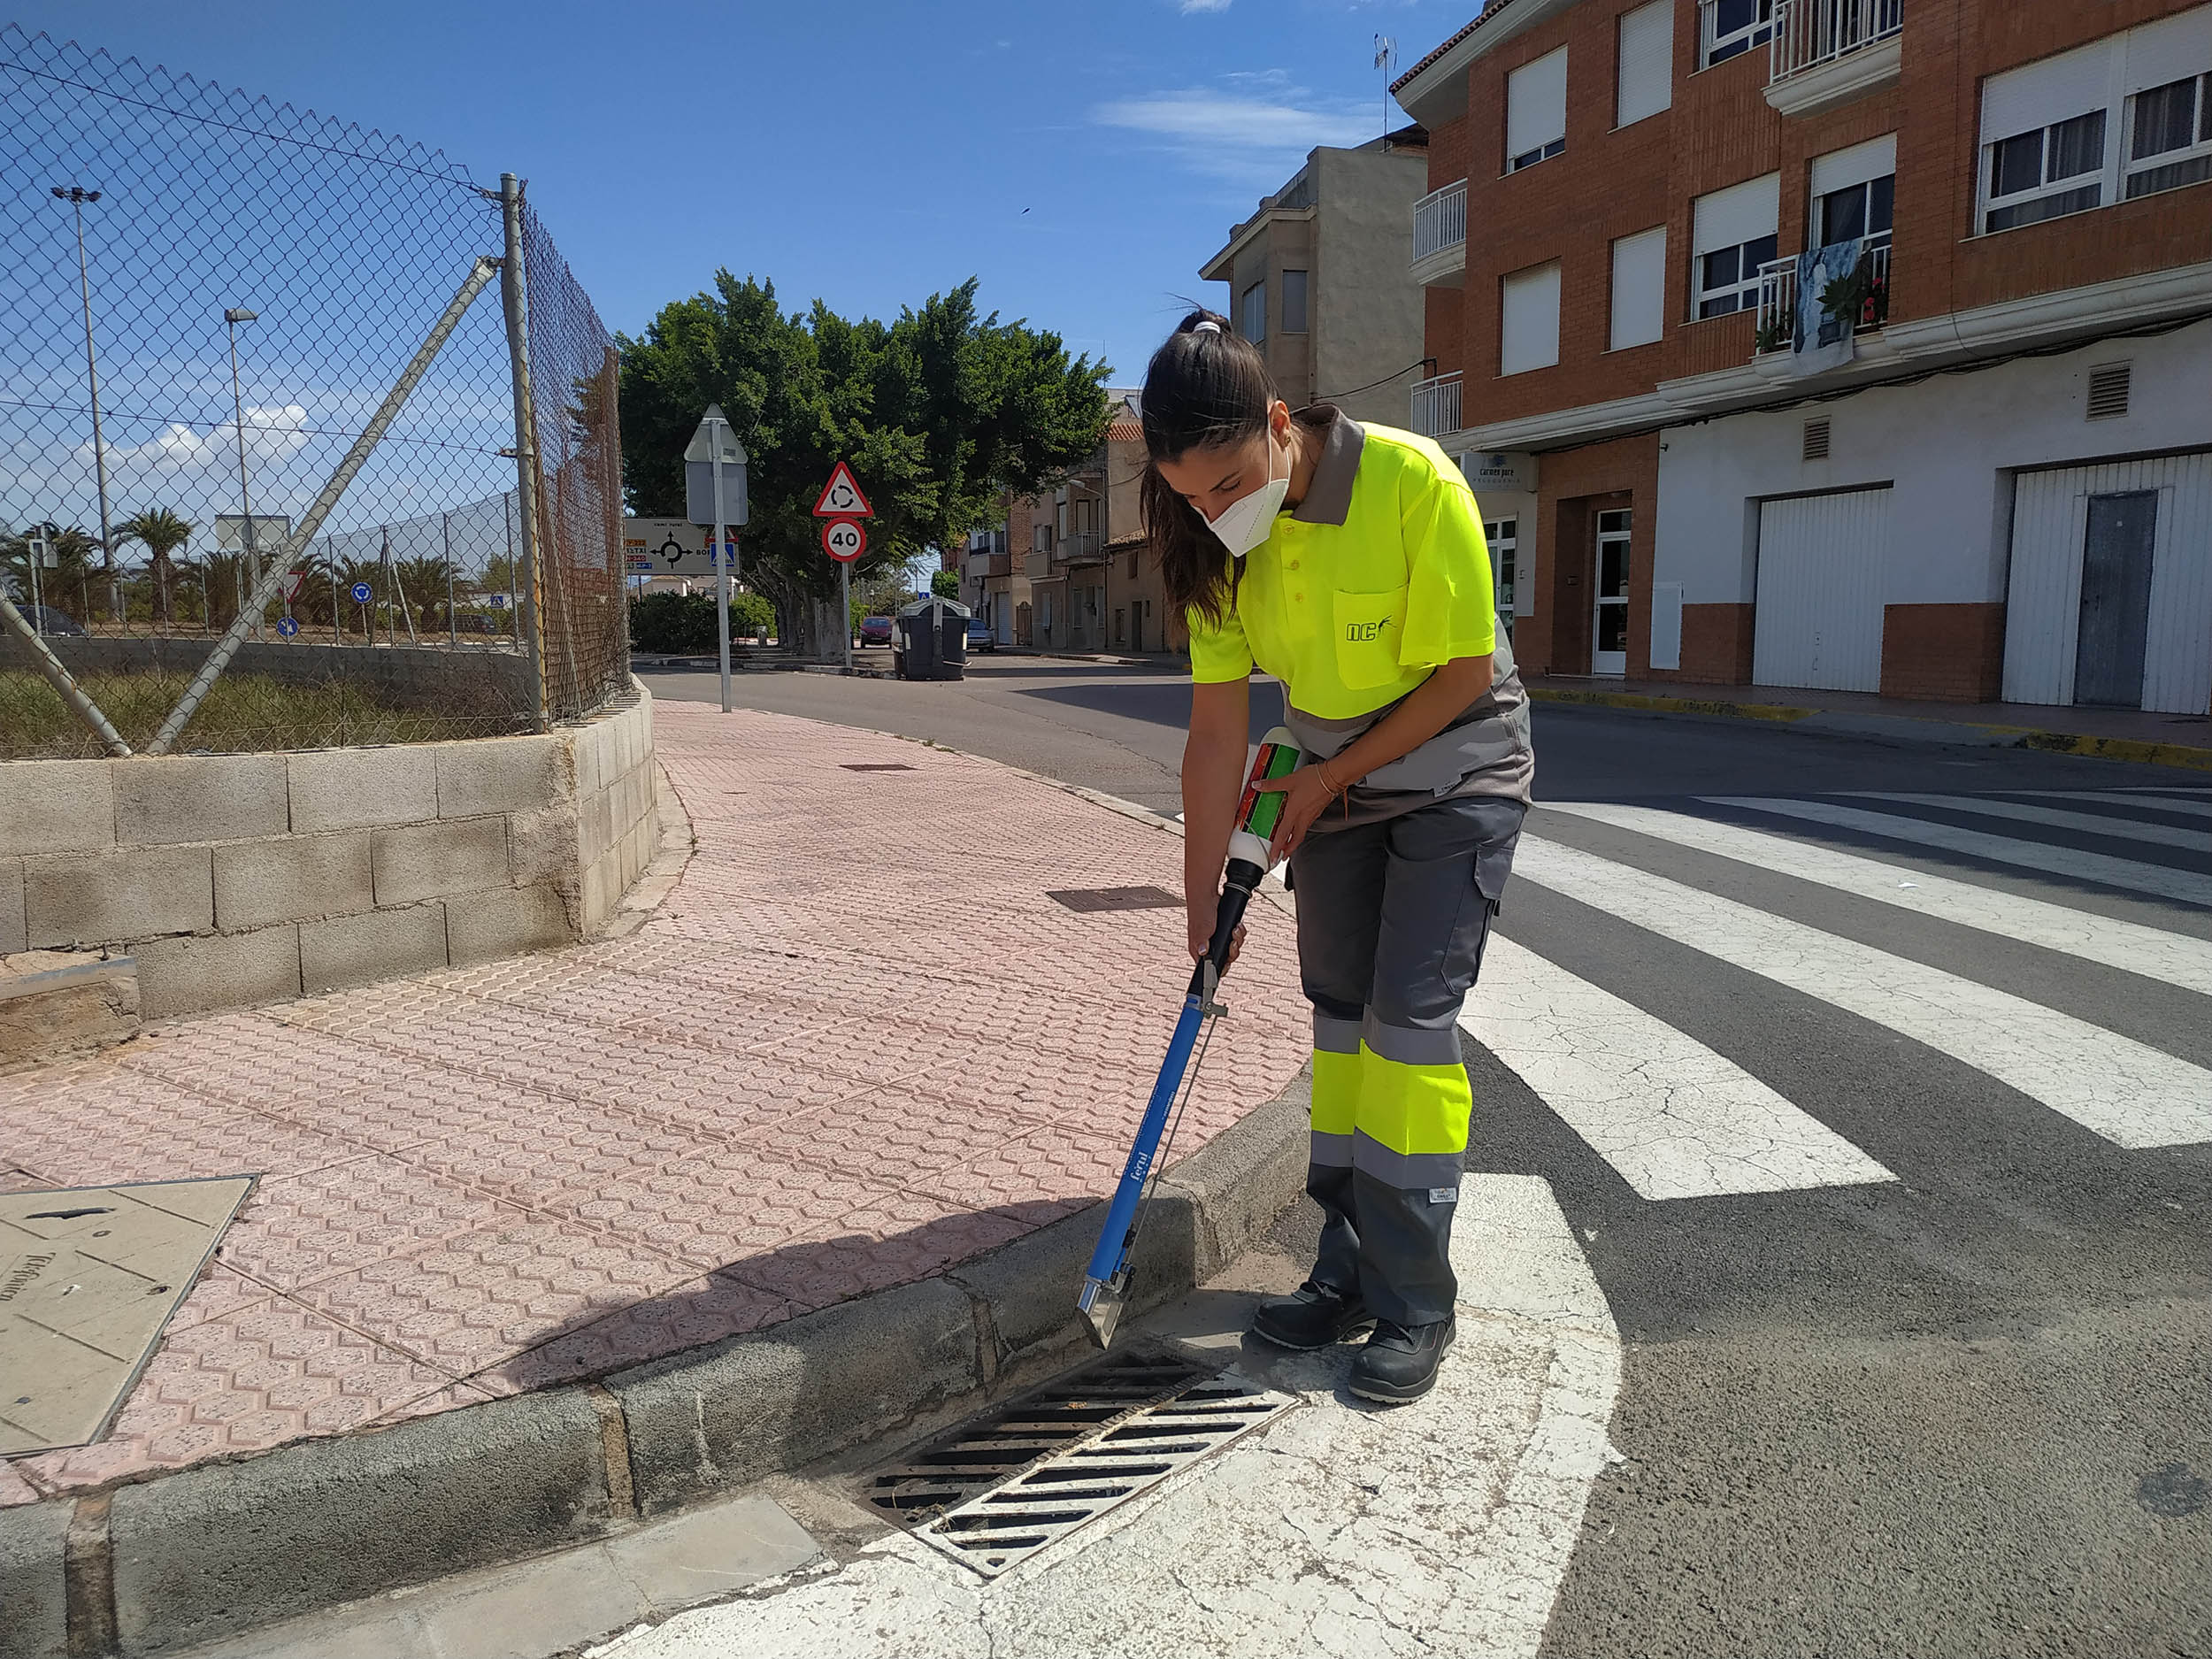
(263, 482)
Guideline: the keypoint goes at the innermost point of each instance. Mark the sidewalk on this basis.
(858, 1044)
(2134, 735)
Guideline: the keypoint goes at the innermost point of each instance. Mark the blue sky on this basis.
(1081, 159)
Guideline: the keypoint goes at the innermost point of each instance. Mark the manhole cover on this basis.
(1116, 898)
(877, 766)
(995, 1492)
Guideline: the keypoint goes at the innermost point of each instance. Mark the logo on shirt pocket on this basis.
(1368, 628)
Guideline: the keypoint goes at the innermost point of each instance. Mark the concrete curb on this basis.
(219, 1548)
(1912, 728)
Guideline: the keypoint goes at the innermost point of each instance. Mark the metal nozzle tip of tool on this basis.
(1100, 1308)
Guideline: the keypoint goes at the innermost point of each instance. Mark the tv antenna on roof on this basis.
(1385, 60)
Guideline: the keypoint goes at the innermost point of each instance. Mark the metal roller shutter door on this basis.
(1822, 559)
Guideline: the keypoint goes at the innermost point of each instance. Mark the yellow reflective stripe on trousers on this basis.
(1409, 1110)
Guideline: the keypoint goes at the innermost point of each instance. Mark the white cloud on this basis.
(1255, 139)
(1190, 6)
(273, 433)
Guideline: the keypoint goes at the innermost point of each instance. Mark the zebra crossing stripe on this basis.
(2126, 1091)
(2114, 797)
(2068, 862)
(2173, 958)
(2086, 823)
(1676, 1119)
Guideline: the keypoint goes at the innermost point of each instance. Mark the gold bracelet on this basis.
(1329, 783)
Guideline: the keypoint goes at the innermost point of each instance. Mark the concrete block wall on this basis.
(234, 880)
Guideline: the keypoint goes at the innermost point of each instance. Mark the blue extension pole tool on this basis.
(1106, 1281)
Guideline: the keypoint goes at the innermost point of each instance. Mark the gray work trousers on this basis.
(1393, 916)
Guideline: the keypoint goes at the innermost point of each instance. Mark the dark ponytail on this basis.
(1205, 385)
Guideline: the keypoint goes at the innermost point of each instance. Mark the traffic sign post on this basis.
(714, 449)
(844, 506)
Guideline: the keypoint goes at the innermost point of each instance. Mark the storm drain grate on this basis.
(1115, 898)
(995, 1492)
(876, 765)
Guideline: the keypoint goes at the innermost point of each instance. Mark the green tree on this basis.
(164, 533)
(938, 413)
(945, 584)
(67, 584)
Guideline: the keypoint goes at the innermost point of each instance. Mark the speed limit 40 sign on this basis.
(843, 540)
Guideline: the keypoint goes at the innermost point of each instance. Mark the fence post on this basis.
(514, 301)
(445, 532)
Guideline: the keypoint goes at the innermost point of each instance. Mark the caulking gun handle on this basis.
(1235, 895)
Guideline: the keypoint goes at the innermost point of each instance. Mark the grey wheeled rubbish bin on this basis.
(932, 639)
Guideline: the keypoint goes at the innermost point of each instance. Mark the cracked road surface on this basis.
(1441, 1527)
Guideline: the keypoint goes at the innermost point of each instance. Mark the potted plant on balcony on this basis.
(1773, 333)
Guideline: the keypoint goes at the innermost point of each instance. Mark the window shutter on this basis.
(2109, 384)
(2054, 89)
(1877, 158)
(1742, 213)
(1816, 439)
(1646, 63)
(2168, 49)
(1536, 103)
(1639, 285)
(1529, 320)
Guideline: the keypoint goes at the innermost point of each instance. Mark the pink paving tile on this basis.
(130, 1127)
(892, 1138)
(298, 1230)
(246, 1380)
(14, 1488)
(535, 1149)
(1050, 1166)
(891, 1243)
(219, 1292)
(692, 1314)
(475, 1300)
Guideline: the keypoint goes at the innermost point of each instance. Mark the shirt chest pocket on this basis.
(1368, 630)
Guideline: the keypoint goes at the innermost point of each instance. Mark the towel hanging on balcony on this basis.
(1830, 283)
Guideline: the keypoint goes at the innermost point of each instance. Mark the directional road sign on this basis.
(843, 540)
(288, 625)
(499, 601)
(360, 591)
(840, 496)
(715, 447)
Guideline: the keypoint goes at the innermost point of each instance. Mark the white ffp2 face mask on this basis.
(1244, 523)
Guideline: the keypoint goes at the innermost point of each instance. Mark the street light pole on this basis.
(77, 196)
(247, 554)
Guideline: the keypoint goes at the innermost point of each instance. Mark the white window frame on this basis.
(1304, 289)
(1246, 309)
(2132, 168)
(1753, 204)
(2090, 181)
(1531, 283)
(1503, 537)
(1657, 20)
(1714, 48)
(1521, 86)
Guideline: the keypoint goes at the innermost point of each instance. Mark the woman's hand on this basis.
(1203, 909)
(1308, 792)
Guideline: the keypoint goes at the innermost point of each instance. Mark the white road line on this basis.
(2173, 958)
(2114, 797)
(2113, 1086)
(1675, 1118)
(2157, 879)
(2086, 823)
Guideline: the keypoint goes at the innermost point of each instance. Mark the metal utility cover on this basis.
(1116, 898)
(877, 766)
(88, 1276)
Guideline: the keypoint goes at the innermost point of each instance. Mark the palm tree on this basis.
(162, 532)
(71, 573)
(422, 584)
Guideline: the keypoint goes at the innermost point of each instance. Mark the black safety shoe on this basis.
(1313, 1315)
(1400, 1361)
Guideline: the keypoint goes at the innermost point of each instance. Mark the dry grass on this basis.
(241, 712)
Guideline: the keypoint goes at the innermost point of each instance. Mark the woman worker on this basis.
(1349, 561)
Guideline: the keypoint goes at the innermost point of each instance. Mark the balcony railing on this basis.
(1811, 33)
(1436, 405)
(1086, 547)
(1777, 298)
(1440, 220)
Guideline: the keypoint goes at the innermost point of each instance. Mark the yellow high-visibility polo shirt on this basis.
(1379, 577)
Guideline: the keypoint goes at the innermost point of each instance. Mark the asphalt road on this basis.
(1963, 1407)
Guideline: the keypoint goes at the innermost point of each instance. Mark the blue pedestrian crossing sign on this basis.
(287, 626)
(360, 593)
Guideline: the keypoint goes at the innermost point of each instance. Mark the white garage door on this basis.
(2110, 596)
(1820, 565)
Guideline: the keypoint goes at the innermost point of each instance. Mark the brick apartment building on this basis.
(1973, 460)
(1093, 587)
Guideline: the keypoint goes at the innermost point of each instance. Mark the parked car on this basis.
(875, 630)
(46, 620)
(980, 635)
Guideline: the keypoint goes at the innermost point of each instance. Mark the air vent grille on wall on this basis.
(1816, 439)
(2108, 386)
